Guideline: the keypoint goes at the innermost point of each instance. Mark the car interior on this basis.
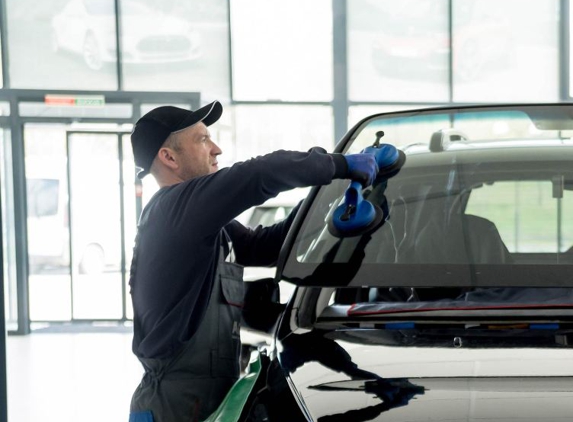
(427, 226)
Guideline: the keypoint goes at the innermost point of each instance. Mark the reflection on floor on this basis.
(71, 377)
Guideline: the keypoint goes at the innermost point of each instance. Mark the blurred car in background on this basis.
(87, 28)
(458, 305)
(481, 41)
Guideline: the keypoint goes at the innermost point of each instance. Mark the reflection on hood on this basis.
(299, 349)
(314, 346)
(393, 393)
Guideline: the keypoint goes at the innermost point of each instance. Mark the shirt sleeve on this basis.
(204, 205)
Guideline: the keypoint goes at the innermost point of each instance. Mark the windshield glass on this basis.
(485, 198)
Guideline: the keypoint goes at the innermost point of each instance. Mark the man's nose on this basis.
(216, 150)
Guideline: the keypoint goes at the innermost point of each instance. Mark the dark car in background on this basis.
(458, 307)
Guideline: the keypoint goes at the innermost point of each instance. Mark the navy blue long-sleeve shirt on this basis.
(178, 240)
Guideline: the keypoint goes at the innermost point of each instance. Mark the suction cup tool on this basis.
(356, 216)
(389, 159)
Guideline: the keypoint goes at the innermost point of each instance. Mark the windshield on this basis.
(485, 198)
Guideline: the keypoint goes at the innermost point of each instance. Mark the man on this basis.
(186, 273)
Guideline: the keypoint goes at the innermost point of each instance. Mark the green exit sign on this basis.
(75, 100)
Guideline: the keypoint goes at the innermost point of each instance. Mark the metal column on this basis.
(340, 68)
(3, 377)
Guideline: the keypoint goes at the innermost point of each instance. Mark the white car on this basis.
(87, 28)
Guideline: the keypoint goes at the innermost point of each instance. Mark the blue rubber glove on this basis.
(362, 168)
(386, 155)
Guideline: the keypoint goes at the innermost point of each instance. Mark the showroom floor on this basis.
(71, 377)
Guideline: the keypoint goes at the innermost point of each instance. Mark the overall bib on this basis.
(191, 385)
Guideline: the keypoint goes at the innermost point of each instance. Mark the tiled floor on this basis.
(71, 377)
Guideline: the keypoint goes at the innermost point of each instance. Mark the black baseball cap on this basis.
(151, 130)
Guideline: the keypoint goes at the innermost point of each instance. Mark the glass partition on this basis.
(260, 129)
(282, 50)
(49, 279)
(398, 50)
(95, 225)
(505, 50)
(81, 221)
(176, 46)
(62, 44)
(8, 237)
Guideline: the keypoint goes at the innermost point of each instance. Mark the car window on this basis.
(481, 189)
(528, 217)
(430, 222)
(267, 216)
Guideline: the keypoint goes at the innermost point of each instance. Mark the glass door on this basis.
(95, 226)
(81, 225)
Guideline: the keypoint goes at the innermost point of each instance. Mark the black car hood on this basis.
(341, 381)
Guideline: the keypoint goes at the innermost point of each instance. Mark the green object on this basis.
(232, 406)
(90, 101)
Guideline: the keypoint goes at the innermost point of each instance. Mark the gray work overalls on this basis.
(191, 385)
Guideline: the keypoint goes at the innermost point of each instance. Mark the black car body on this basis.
(459, 307)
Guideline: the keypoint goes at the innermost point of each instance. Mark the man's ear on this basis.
(167, 157)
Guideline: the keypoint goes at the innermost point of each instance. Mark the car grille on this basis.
(164, 44)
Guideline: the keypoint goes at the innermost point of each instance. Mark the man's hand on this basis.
(362, 168)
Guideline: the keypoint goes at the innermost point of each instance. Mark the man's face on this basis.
(197, 153)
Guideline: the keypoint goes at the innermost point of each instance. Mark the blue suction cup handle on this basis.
(355, 213)
(386, 155)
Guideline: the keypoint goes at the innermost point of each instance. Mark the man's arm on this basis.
(204, 205)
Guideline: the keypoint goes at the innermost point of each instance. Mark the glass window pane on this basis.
(132, 193)
(4, 108)
(263, 129)
(398, 50)
(48, 233)
(8, 236)
(62, 44)
(95, 225)
(505, 50)
(525, 214)
(175, 46)
(282, 50)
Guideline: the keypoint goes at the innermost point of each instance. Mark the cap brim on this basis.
(142, 173)
(208, 114)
